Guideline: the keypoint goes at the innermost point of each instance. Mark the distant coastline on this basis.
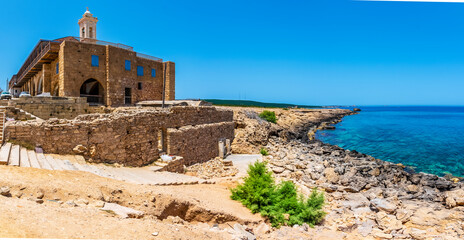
(250, 103)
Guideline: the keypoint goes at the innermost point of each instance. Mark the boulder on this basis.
(387, 222)
(242, 233)
(331, 175)
(378, 234)
(355, 200)
(278, 170)
(366, 227)
(262, 229)
(383, 205)
(454, 198)
(418, 233)
(5, 191)
(79, 149)
(403, 215)
(412, 188)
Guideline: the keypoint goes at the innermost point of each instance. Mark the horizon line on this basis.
(428, 1)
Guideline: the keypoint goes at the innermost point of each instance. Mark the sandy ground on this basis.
(71, 202)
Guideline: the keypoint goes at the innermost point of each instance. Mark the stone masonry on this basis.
(110, 74)
(51, 107)
(133, 137)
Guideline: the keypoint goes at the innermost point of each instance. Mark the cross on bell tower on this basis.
(88, 25)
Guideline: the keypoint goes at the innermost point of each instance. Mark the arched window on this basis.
(83, 32)
(90, 33)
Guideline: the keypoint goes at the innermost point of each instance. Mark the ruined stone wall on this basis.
(198, 143)
(130, 136)
(51, 107)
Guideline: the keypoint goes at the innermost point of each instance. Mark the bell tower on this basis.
(88, 26)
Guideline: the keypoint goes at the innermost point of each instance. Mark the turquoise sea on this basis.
(427, 139)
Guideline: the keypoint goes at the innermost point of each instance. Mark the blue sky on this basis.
(326, 52)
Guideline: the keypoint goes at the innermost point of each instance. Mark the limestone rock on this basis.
(356, 200)
(454, 198)
(418, 234)
(388, 222)
(242, 233)
(383, 205)
(403, 215)
(377, 233)
(262, 229)
(79, 149)
(331, 175)
(278, 170)
(366, 227)
(412, 188)
(123, 212)
(5, 191)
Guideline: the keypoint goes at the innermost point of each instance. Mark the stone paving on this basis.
(241, 162)
(15, 155)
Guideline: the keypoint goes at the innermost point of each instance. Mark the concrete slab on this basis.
(53, 163)
(23, 158)
(14, 156)
(43, 161)
(123, 212)
(33, 159)
(241, 162)
(69, 166)
(5, 154)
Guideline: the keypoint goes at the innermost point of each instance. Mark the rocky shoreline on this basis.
(367, 197)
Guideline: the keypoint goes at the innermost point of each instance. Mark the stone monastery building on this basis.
(105, 73)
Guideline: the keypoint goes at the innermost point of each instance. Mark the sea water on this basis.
(427, 139)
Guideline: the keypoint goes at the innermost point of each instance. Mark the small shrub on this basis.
(264, 152)
(280, 203)
(257, 190)
(268, 116)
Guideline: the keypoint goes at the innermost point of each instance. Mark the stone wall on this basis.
(51, 107)
(131, 136)
(195, 144)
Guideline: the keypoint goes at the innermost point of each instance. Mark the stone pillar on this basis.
(47, 78)
(222, 152)
(228, 147)
(61, 73)
(170, 80)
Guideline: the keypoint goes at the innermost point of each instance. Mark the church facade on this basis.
(105, 73)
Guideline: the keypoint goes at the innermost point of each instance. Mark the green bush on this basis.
(268, 116)
(264, 152)
(280, 203)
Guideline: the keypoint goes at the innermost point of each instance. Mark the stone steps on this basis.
(14, 156)
(17, 156)
(5, 154)
(23, 158)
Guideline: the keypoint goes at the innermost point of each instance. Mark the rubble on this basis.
(212, 169)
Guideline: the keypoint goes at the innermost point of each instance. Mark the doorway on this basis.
(127, 96)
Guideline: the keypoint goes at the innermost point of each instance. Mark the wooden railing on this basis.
(42, 48)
